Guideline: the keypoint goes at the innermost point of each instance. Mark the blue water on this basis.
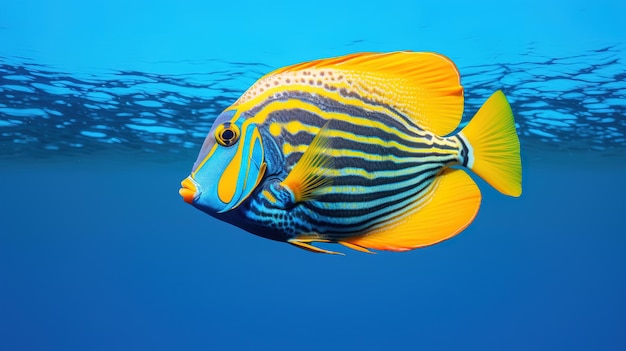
(104, 105)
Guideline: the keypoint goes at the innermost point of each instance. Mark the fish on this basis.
(363, 150)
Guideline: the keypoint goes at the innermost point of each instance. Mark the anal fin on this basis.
(450, 207)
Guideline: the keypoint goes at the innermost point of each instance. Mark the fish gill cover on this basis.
(573, 104)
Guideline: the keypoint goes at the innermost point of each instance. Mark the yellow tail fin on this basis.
(494, 146)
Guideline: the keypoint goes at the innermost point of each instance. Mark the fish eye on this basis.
(227, 134)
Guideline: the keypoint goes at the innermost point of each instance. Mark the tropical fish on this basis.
(356, 150)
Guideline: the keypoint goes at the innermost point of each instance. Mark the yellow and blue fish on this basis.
(355, 150)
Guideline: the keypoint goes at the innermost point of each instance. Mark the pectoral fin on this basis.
(309, 175)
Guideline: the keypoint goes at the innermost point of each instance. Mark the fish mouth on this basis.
(188, 190)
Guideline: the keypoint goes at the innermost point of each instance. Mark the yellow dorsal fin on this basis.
(310, 172)
(423, 85)
(453, 204)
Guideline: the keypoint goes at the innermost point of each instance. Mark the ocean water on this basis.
(104, 106)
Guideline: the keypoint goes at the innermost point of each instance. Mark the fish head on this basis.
(229, 167)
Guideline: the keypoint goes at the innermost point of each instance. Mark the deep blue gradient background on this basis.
(98, 252)
(103, 255)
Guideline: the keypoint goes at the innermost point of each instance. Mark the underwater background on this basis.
(104, 106)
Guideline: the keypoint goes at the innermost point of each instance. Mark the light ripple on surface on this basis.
(564, 103)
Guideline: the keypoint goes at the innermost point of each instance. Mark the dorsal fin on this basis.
(423, 85)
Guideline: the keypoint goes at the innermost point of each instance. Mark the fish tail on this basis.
(493, 146)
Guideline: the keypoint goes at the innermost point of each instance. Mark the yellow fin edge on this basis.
(304, 244)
